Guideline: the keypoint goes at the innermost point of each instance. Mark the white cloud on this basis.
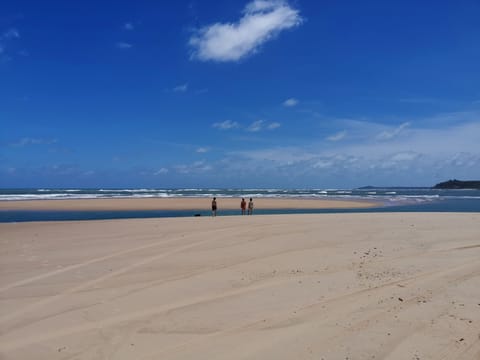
(256, 126)
(262, 20)
(390, 134)
(123, 45)
(260, 125)
(290, 102)
(33, 141)
(226, 125)
(6, 38)
(161, 171)
(11, 34)
(128, 26)
(425, 154)
(338, 136)
(273, 125)
(181, 88)
(202, 150)
(280, 155)
(404, 156)
(197, 167)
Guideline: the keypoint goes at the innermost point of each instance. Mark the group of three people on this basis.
(243, 206)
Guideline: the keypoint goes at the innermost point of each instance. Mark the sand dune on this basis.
(331, 286)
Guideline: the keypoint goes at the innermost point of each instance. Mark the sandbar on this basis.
(180, 203)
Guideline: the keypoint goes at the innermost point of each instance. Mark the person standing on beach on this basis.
(214, 206)
(250, 207)
(243, 206)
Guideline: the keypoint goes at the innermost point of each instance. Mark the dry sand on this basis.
(320, 286)
(180, 203)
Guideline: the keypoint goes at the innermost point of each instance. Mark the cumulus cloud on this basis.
(226, 125)
(261, 21)
(123, 45)
(290, 102)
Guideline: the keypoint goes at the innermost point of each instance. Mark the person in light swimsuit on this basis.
(250, 207)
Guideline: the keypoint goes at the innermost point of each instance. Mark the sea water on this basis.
(390, 200)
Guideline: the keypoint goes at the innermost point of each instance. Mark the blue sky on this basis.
(263, 93)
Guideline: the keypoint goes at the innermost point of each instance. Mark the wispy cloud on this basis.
(260, 125)
(256, 126)
(11, 33)
(26, 141)
(419, 100)
(201, 150)
(226, 125)
(123, 45)
(338, 136)
(128, 26)
(419, 156)
(273, 125)
(261, 21)
(390, 134)
(181, 88)
(6, 38)
(290, 102)
(161, 171)
(194, 168)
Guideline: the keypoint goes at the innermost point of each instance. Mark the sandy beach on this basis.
(179, 203)
(318, 286)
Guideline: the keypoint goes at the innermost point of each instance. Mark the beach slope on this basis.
(317, 286)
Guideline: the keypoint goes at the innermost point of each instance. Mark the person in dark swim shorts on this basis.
(214, 206)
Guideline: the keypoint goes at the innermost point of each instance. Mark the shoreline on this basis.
(181, 203)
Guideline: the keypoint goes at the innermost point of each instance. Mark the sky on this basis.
(239, 94)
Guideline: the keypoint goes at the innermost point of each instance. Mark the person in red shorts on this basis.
(243, 206)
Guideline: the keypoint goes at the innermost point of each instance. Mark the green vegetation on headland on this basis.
(458, 184)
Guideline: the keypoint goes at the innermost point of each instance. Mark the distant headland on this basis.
(450, 184)
(458, 184)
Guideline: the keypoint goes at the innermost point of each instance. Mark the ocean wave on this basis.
(412, 195)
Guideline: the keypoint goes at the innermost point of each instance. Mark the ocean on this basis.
(392, 200)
